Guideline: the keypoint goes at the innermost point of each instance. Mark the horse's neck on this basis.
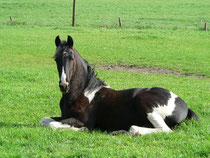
(77, 84)
(82, 80)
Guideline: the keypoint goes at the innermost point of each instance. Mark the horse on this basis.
(88, 103)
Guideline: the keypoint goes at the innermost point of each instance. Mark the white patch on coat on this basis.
(166, 110)
(90, 94)
(63, 78)
(157, 116)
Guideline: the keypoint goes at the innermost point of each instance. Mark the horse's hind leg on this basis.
(156, 120)
(139, 131)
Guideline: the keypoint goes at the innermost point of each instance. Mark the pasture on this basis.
(155, 34)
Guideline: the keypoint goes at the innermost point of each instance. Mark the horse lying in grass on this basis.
(88, 102)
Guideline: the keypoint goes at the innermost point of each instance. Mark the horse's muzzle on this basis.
(64, 87)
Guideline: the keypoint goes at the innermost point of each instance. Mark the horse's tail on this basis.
(191, 115)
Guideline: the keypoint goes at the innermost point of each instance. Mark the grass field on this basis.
(155, 34)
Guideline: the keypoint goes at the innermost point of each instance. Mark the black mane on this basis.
(92, 80)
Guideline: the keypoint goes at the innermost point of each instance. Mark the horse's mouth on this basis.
(64, 90)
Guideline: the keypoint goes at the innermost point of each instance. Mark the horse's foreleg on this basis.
(58, 123)
(56, 118)
(73, 122)
(47, 120)
(70, 123)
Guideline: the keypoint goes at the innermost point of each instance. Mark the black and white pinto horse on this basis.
(88, 102)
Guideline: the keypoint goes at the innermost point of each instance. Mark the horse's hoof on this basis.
(134, 132)
(84, 129)
(119, 132)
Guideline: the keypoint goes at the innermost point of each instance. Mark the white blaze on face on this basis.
(63, 78)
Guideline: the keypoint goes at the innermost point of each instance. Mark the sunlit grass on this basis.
(161, 34)
(27, 96)
(140, 14)
(183, 51)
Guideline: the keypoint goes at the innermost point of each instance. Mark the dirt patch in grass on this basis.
(145, 70)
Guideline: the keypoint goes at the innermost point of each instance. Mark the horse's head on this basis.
(64, 58)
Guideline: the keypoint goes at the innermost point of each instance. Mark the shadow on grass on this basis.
(12, 125)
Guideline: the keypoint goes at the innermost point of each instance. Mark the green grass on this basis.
(158, 33)
(96, 13)
(183, 51)
(30, 95)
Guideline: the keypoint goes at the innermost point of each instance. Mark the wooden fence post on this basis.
(11, 19)
(120, 22)
(206, 26)
(74, 14)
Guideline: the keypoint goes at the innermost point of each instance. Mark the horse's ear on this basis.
(70, 41)
(57, 41)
